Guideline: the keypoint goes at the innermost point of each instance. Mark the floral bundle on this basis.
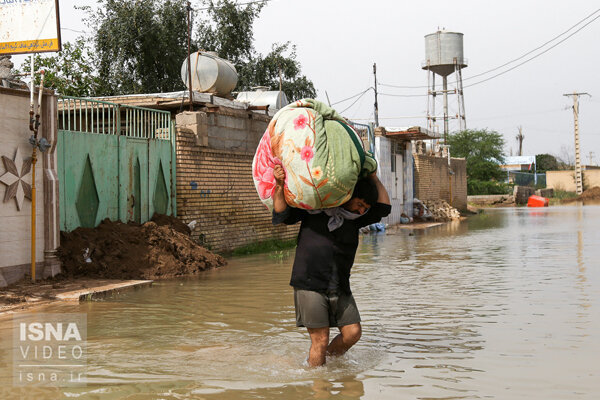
(322, 155)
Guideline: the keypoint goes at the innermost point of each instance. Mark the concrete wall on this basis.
(15, 229)
(214, 182)
(433, 180)
(565, 180)
(401, 190)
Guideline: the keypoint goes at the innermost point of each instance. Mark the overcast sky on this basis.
(339, 40)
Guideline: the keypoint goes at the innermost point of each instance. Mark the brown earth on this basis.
(112, 252)
(116, 250)
(592, 194)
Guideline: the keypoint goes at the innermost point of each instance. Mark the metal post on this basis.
(376, 106)
(189, 66)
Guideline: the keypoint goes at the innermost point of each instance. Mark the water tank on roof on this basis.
(442, 51)
(275, 99)
(210, 73)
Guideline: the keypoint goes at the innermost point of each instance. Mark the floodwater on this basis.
(502, 306)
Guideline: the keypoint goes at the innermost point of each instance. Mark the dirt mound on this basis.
(132, 251)
(175, 223)
(592, 194)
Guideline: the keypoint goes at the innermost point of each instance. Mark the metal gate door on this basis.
(114, 161)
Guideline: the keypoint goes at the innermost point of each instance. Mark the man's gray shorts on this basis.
(318, 310)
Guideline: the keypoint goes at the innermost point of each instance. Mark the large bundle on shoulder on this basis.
(322, 155)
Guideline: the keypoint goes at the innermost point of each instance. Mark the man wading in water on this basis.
(327, 243)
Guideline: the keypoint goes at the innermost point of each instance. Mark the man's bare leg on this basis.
(348, 336)
(319, 338)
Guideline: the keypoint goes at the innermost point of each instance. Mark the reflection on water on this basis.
(504, 305)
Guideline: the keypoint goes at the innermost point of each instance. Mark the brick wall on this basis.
(432, 180)
(215, 186)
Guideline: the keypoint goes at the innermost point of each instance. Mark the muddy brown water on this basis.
(503, 306)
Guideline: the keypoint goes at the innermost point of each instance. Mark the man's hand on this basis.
(279, 174)
(279, 204)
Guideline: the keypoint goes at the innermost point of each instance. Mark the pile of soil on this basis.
(592, 194)
(175, 223)
(161, 248)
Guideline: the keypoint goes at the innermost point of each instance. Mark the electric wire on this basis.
(351, 97)
(518, 58)
(531, 58)
(354, 102)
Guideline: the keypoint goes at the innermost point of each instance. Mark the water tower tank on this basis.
(210, 73)
(442, 50)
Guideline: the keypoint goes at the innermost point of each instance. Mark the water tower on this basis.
(444, 57)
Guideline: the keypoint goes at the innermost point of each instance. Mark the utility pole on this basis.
(578, 174)
(520, 138)
(376, 106)
(189, 66)
(591, 157)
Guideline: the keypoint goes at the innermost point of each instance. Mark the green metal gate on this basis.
(114, 161)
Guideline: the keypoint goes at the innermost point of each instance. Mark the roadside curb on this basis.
(101, 292)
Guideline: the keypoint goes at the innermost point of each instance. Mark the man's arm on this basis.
(282, 213)
(382, 194)
(379, 210)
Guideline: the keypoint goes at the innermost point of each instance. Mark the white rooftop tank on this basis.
(443, 50)
(210, 73)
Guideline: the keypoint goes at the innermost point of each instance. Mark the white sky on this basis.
(339, 40)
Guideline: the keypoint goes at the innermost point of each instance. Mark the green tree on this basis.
(140, 45)
(228, 31)
(69, 72)
(268, 70)
(483, 151)
(546, 162)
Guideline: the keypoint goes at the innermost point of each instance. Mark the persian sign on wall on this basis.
(29, 26)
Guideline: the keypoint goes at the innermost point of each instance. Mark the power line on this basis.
(518, 58)
(403, 95)
(354, 102)
(532, 58)
(351, 97)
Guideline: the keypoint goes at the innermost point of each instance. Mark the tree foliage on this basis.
(140, 45)
(546, 162)
(70, 72)
(268, 70)
(228, 31)
(483, 151)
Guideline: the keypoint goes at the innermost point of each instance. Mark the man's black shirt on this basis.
(321, 252)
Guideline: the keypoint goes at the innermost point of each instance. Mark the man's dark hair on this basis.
(367, 190)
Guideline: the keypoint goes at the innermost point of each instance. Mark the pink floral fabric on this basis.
(262, 170)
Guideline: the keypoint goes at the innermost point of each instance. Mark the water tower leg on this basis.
(445, 90)
(461, 99)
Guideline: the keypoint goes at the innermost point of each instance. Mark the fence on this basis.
(527, 179)
(114, 161)
(366, 134)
